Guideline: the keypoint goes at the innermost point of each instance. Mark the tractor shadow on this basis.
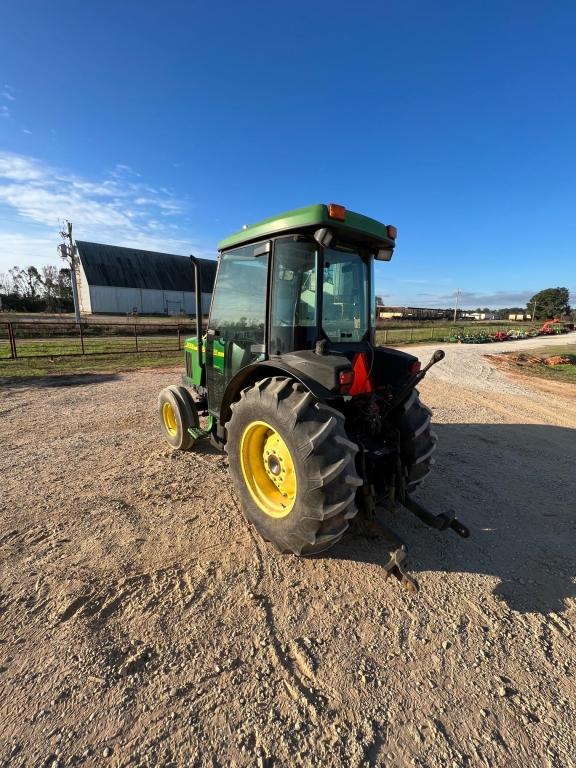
(514, 486)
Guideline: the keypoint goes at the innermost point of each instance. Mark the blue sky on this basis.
(171, 124)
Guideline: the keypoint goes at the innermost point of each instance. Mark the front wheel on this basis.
(177, 413)
(292, 465)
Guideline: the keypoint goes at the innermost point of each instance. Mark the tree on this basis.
(379, 301)
(548, 303)
(6, 285)
(33, 282)
(16, 278)
(27, 282)
(64, 285)
(50, 282)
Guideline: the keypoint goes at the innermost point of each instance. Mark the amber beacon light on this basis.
(337, 212)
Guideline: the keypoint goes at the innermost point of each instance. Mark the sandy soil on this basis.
(142, 623)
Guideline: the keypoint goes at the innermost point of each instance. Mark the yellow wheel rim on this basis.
(169, 419)
(268, 469)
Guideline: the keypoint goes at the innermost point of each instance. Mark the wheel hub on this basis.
(169, 418)
(274, 465)
(268, 469)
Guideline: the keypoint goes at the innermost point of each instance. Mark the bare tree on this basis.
(27, 282)
(16, 276)
(6, 283)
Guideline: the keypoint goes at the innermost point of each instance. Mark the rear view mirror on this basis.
(323, 237)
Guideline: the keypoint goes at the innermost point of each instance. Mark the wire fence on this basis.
(48, 339)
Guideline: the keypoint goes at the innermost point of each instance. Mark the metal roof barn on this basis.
(117, 280)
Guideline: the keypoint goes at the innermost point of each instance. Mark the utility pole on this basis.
(68, 251)
(457, 294)
(533, 311)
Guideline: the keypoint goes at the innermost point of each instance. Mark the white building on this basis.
(119, 281)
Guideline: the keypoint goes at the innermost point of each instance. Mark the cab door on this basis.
(236, 333)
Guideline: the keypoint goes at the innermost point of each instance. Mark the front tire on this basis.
(177, 413)
(292, 465)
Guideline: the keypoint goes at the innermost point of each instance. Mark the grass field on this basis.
(97, 345)
(43, 366)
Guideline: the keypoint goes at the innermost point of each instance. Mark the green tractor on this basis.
(322, 428)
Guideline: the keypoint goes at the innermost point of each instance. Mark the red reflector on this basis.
(415, 368)
(346, 379)
(392, 232)
(362, 381)
(337, 212)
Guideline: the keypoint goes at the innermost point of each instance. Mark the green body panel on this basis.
(355, 225)
(193, 369)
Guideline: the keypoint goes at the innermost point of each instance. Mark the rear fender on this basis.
(257, 371)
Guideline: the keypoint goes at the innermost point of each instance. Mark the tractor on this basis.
(323, 429)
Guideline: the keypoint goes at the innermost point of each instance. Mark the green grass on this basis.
(556, 372)
(64, 345)
(33, 367)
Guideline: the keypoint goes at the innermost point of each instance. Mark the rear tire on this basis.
(292, 465)
(177, 414)
(417, 440)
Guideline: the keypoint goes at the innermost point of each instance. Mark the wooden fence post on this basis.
(12, 337)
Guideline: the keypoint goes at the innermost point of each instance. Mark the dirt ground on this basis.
(142, 622)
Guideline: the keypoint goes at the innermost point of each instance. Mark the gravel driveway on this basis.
(142, 623)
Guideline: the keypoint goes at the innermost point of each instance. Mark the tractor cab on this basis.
(298, 282)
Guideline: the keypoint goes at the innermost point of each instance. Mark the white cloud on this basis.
(19, 168)
(4, 111)
(8, 93)
(19, 249)
(117, 209)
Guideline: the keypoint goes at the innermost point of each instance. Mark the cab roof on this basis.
(354, 226)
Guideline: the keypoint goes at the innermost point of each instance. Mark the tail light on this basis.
(415, 367)
(346, 379)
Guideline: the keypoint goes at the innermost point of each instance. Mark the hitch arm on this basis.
(440, 522)
(413, 381)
